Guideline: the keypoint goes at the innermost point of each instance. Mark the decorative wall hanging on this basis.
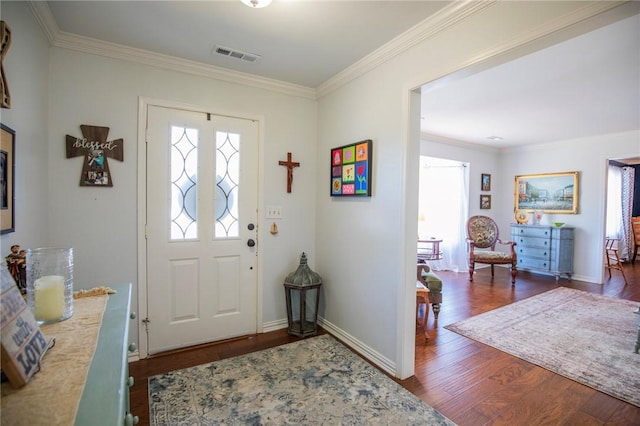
(96, 149)
(289, 165)
(7, 179)
(485, 183)
(5, 42)
(548, 192)
(485, 202)
(351, 169)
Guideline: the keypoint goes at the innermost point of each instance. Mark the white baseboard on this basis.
(274, 325)
(363, 350)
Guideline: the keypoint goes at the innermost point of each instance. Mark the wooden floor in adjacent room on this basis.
(470, 383)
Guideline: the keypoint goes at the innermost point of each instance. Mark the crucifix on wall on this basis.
(96, 149)
(289, 165)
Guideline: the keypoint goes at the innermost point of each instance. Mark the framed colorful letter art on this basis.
(351, 170)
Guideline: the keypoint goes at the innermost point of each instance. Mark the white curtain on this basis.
(614, 203)
(626, 195)
(443, 210)
(619, 208)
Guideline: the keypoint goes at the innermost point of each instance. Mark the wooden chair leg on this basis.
(621, 269)
(608, 263)
(436, 310)
(612, 256)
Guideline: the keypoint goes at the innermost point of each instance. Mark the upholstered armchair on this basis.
(482, 236)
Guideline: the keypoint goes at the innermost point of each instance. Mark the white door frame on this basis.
(142, 289)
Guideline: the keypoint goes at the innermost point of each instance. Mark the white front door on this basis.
(202, 192)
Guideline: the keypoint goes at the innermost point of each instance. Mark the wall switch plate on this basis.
(274, 212)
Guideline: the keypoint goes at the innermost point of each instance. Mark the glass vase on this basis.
(50, 284)
(537, 217)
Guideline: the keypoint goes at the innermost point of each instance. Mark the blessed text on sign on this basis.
(96, 149)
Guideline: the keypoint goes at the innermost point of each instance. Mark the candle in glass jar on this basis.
(49, 298)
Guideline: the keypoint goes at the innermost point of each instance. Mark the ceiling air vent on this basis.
(238, 54)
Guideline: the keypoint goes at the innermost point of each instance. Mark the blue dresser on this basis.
(544, 249)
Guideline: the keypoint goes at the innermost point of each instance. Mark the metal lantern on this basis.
(302, 289)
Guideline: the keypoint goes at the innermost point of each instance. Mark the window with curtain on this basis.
(443, 209)
(614, 202)
(620, 189)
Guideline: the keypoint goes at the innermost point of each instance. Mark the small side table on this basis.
(429, 249)
(637, 312)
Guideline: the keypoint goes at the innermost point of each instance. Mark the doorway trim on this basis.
(595, 16)
(605, 211)
(141, 288)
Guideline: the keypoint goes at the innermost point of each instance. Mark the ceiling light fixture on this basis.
(495, 138)
(256, 3)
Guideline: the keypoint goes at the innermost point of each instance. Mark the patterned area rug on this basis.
(585, 337)
(315, 381)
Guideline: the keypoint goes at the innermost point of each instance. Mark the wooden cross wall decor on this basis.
(289, 165)
(96, 149)
(5, 42)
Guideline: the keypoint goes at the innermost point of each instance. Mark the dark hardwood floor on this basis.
(470, 383)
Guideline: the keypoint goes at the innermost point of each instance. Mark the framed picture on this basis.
(351, 169)
(7, 179)
(485, 183)
(485, 202)
(549, 192)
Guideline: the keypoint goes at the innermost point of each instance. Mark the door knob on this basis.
(251, 243)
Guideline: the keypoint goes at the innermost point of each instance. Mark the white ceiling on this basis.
(300, 41)
(586, 86)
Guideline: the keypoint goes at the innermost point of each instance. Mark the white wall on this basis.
(361, 247)
(26, 67)
(101, 223)
(559, 156)
(56, 90)
(366, 247)
(589, 157)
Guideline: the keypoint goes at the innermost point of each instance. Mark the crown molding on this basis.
(145, 57)
(450, 16)
(528, 41)
(427, 138)
(44, 17)
(93, 46)
(436, 23)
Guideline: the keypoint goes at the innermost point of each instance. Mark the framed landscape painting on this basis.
(549, 192)
(351, 170)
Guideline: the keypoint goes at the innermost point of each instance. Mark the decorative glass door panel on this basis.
(227, 184)
(184, 183)
(201, 204)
